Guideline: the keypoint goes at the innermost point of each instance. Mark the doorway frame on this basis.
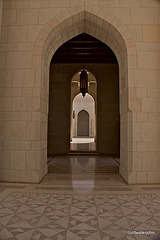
(85, 17)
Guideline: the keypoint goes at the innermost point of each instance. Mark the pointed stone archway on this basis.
(85, 17)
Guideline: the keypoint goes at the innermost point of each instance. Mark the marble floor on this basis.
(79, 205)
(83, 164)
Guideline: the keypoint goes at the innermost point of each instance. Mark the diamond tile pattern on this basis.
(42, 216)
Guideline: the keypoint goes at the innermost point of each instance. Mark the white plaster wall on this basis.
(84, 103)
(26, 40)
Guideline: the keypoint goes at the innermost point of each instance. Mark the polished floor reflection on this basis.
(82, 144)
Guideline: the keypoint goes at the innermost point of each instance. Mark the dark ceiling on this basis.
(84, 48)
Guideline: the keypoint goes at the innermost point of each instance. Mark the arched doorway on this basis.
(83, 123)
(100, 59)
(114, 33)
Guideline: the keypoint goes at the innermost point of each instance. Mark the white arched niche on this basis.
(87, 104)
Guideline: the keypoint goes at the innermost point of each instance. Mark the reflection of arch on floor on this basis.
(110, 30)
(83, 123)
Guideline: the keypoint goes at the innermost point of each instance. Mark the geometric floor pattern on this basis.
(60, 216)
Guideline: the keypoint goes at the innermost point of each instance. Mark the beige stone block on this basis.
(135, 104)
(156, 12)
(21, 47)
(17, 34)
(142, 16)
(35, 176)
(23, 60)
(145, 79)
(11, 176)
(158, 78)
(2, 60)
(9, 17)
(33, 104)
(27, 92)
(158, 123)
(136, 31)
(16, 4)
(6, 4)
(5, 104)
(36, 92)
(18, 130)
(11, 145)
(142, 177)
(151, 33)
(39, 4)
(149, 161)
(122, 14)
(33, 32)
(141, 92)
(37, 61)
(4, 34)
(25, 176)
(146, 46)
(19, 104)
(6, 78)
(142, 146)
(154, 93)
(11, 92)
(141, 117)
(25, 116)
(23, 78)
(137, 132)
(57, 3)
(36, 145)
(30, 160)
(158, 104)
(36, 116)
(18, 160)
(150, 131)
(6, 160)
(131, 77)
(158, 162)
(43, 130)
(132, 92)
(4, 130)
(157, 46)
(27, 16)
(137, 157)
(108, 3)
(132, 61)
(26, 145)
(44, 106)
(149, 105)
(150, 3)
(130, 3)
(12, 115)
(132, 178)
(6, 47)
(153, 146)
(153, 117)
(2, 90)
(48, 13)
(33, 131)
(149, 60)
(153, 177)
